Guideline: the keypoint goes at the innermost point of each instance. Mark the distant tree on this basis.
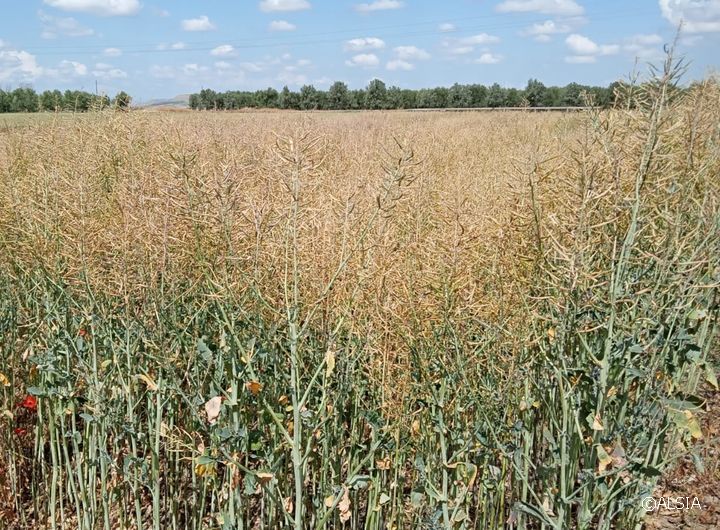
(267, 98)
(535, 93)
(308, 97)
(122, 101)
(338, 97)
(51, 100)
(478, 96)
(24, 99)
(194, 102)
(4, 101)
(495, 96)
(553, 97)
(376, 95)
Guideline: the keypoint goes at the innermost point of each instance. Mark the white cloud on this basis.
(251, 67)
(18, 66)
(697, 16)
(193, 68)
(112, 52)
(489, 58)
(585, 50)
(367, 60)
(72, 68)
(461, 50)
(399, 64)
(482, 38)
(289, 76)
(284, 5)
(222, 65)
(379, 5)
(645, 46)
(541, 31)
(224, 50)
(581, 45)
(547, 7)
(107, 71)
(65, 26)
(446, 27)
(304, 62)
(411, 52)
(162, 72)
(281, 25)
(173, 46)
(580, 59)
(198, 24)
(107, 8)
(367, 43)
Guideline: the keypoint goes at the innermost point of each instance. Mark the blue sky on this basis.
(160, 48)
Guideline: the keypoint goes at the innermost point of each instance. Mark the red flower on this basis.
(29, 403)
(82, 332)
(20, 432)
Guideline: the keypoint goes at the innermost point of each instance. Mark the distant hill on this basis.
(178, 102)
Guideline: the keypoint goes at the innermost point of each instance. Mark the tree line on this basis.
(378, 96)
(25, 99)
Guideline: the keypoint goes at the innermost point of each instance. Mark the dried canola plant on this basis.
(372, 320)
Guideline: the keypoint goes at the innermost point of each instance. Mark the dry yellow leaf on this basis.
(212, 409)
(597, 423)
(254, 387)
(329, 363)
(329, 501)
(152, 385)
(4, 380)
(344, 506)
(264, 478)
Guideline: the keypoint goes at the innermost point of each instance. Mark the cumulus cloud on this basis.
(281, 25)
(222, 65)
(541, 31)
(72, 69)
(581, 45)
(461, 50)
(643, 45)
(584, 50)
(106, 8)
(411, 53)
(108, 71)
(547, 7)
(18, 66)
(162, 72)
(379, 5)
(112, 52)
(446, 27)
(198, 24)
(367, 43)
(269, 6)
(193, 68)
(224, 50)
(366, 60)
(697, 16)
(482, 38)
(65, 26)
(399, 64)
(488, 58)
(580, 59)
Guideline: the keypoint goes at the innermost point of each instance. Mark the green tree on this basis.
(535, 93)
(308, 97)
(122, 101)
(376, 95)
(338, 97)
